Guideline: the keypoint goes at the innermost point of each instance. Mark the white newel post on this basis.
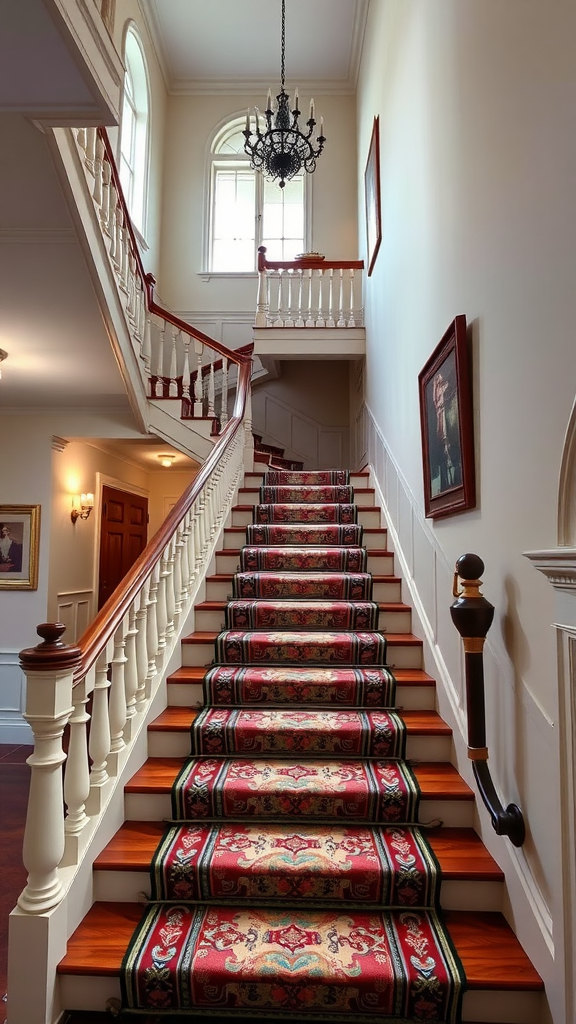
(262, 301)
(49, 669)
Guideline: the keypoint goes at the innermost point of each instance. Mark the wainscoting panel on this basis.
(13, 728)
(75, 611)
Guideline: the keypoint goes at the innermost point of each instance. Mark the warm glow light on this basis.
(166, 460)
(82, 505)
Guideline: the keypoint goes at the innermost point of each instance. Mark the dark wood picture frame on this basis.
(446, 419)
(372, 197)
(19, 546)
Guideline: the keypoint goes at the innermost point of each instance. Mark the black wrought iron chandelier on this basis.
(282, 149)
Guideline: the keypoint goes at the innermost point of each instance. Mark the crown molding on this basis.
(557, 564)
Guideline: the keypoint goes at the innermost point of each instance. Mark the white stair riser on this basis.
(128, 886)
(409, 656)
(87, 992)
(418, 748)
(410, 697)
(155, 807)
(379, 564)
(206, 619)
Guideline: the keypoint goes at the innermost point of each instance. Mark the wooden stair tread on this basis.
(418, 723)
(209, 635)
(384, 606)
(404, 676)
(460, 851)
(490, 952)
(437, 779)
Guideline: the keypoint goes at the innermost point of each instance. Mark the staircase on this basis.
(502, 985)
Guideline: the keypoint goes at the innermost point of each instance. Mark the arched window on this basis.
(134, 131)
(246, 210)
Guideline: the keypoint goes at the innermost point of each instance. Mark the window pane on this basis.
(283, 219)
(234, 235)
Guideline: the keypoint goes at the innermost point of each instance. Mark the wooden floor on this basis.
(14, 782)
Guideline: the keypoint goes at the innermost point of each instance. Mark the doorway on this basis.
(123, 536)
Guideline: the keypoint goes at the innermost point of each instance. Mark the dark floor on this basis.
(14, 782)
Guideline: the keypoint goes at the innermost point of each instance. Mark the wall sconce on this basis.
(82, 505)
(166, 460)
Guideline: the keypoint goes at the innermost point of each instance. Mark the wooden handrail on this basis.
(111, 614)
(307, 264)
(148, 279)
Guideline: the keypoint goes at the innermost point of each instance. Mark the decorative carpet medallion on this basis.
(311, 733)
(334, 586)
(361, 866)
(394, 964)
(281, 534)
(348, 687)
(295, 512)
(294, 882)
(304, 559)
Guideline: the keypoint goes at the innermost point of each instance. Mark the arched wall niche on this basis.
(567, 487)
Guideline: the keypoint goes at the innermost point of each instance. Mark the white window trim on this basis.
(140, 230)
(206, 274)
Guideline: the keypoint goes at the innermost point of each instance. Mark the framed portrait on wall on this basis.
(372, 196)
(19, 546)
(446, 421)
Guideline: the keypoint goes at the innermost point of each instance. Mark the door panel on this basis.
(123, 535)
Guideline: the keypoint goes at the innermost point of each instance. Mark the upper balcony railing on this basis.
(309, 292)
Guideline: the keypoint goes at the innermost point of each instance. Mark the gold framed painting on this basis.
(19, 546)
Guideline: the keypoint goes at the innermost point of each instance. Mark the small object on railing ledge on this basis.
(472, 615)
(309, 256)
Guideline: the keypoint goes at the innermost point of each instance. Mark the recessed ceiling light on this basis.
(166, 460)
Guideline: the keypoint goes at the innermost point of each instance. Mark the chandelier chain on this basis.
(283, 47)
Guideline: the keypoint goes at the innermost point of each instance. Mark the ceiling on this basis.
(209, 47)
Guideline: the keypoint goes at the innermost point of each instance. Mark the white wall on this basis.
(190, 124)
(478, 154)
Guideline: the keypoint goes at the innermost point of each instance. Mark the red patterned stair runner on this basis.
(293, 881)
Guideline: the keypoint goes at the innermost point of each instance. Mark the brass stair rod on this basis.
(472, 615)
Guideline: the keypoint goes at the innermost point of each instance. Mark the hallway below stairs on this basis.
(306, 846)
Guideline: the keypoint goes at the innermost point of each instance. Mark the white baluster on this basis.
(99, 745)
(320, 321)
(309, 319)
(142, 647)
(123, 278)
(161, 612)
(131, 669)
(77, 774)
(198, 386)
(112, 204)
(173, 387)
(224, 393)
(91, 136)
(351, 320)
(105, 204)
(186, 369)
(300, 318)
(118, 257)
(341, 321)
(160, 360)
(118, 693)
(330, 321)
(262, 300)
(97, 189)
(277, 320)
(185, 561)
(289, 320)
(151, 631)
(211, 385)
(81, 139)
(131, 288)
(173, 582)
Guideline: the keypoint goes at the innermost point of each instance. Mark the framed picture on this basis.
(372, 195)
(447, 426)
(19, 545)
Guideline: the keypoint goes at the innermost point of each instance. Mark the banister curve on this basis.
(148, 280)
(111, 614)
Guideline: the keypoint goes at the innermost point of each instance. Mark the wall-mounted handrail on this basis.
(472, 615)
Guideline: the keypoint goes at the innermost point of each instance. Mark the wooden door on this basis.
(123, 535)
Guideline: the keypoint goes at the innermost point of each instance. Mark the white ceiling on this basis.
(211, 46)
